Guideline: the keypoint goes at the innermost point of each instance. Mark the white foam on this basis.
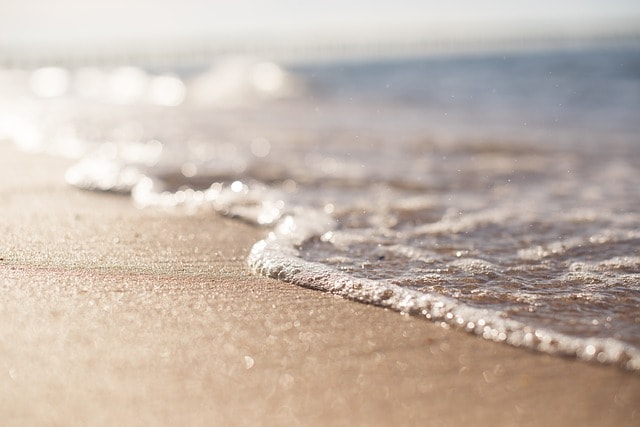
(278, 257)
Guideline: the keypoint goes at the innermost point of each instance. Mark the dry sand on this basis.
(114, 316)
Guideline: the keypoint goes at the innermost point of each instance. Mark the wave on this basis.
(526, 237)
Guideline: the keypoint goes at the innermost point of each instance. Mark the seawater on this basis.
(492, 193)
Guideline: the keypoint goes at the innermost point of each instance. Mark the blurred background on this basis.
(483, 69)
(170, 31)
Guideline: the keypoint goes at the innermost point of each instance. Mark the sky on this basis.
(81, 24)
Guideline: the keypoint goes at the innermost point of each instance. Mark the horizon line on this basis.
(194, 53)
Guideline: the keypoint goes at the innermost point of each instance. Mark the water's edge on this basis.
(278, 258)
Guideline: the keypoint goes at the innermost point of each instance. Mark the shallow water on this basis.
(492, 193)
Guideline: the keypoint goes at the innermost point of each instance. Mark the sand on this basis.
(110, 315)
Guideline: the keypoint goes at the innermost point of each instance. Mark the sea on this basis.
(495, 192)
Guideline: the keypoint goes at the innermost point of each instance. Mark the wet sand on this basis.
(111, 315)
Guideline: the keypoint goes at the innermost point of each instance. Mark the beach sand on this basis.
(110, 315)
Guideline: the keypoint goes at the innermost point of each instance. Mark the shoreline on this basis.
(114, 315)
